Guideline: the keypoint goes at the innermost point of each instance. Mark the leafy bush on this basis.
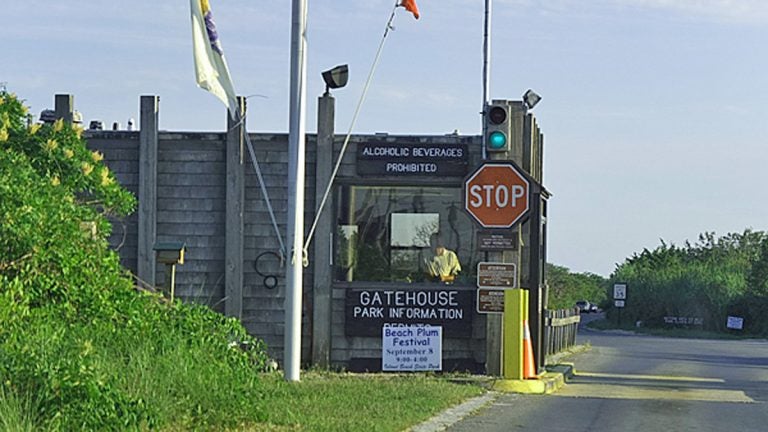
(566, 288)
(76, 335)
(711, 279)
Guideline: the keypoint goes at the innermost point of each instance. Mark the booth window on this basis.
(388, 233)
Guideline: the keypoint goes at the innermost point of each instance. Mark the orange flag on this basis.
(410, 6)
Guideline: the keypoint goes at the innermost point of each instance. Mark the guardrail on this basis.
(560, 327)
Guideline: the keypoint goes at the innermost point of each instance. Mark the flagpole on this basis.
(296, 153)
(486, 70)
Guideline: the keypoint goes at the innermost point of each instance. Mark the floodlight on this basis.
(531, 98)
(336, 77)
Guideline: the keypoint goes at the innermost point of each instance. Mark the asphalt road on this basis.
(628, 382)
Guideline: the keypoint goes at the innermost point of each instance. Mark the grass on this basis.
(17, 412)
(352, 402)
(183, 388)
(62, 375)
(187, 391)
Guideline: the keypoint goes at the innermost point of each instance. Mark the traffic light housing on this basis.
(497, 126)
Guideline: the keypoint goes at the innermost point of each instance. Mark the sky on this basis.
(654, 111)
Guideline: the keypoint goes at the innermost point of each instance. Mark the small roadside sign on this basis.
(735, 323)
(490, 300)
(620, 291)
(618, 303)
(496, 275)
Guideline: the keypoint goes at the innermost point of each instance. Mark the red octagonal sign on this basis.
(496, 195)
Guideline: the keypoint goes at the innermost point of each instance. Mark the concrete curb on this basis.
(453, 415)
(568, 370)
(551, 381)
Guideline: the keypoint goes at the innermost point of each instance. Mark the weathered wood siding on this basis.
(263, 307)
(191, 208)
(121, 155)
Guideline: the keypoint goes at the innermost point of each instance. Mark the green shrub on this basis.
(75, 332)
(711, 279)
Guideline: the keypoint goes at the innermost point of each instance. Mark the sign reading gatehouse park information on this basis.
(368, 310)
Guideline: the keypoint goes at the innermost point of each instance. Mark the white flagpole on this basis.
(296, 153)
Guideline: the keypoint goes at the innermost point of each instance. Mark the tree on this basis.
(699, 280)
(566, 288)
(758, 275)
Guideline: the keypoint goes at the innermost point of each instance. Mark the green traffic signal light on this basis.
(497, 140)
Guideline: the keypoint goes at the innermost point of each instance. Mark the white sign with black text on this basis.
(620, 291)
(412, 348)
(618, 303)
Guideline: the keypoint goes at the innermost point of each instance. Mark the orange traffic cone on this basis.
(529, 367)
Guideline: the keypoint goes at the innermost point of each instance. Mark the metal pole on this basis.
(486, 70)
(296, 138)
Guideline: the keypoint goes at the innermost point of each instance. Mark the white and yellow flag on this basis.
(211, 69)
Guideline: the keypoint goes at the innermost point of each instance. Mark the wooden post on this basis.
(494, 332)
(170, 280)
(533, 261)
(493, 335)
(494, 322)
(322, 289)
(64, 107)
(170, 254)
(517, 111)
(234, 219)
(147, 214)
(535, 282)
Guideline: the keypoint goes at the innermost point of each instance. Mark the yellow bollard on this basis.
(515, 311)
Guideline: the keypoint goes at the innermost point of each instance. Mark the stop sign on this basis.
(496, 195)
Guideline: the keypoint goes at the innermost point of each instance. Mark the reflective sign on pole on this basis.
(620, 291)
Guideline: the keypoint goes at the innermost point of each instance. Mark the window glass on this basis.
(413, 229)
(392, 234)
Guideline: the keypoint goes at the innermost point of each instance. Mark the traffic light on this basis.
(498, 128)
